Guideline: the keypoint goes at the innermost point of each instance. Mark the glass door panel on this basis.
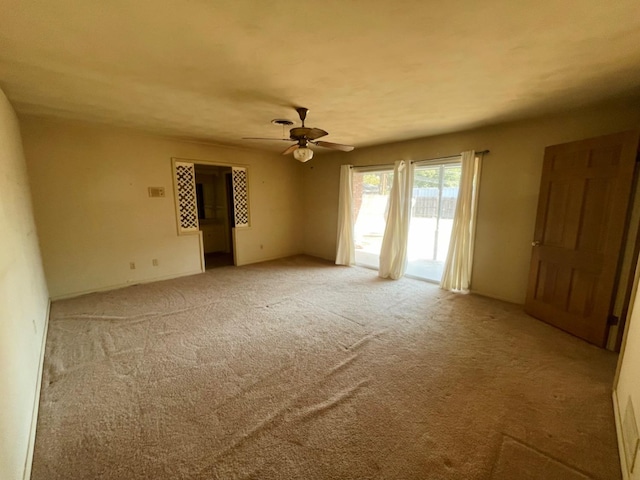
(370, 205)
(435, 192)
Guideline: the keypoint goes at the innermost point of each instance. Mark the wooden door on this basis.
(580, 225)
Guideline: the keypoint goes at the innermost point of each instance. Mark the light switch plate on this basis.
(156, 191)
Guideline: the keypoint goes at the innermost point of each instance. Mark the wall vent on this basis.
(630, 437)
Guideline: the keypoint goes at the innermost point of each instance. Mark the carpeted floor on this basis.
(217, 259)
(297, 369)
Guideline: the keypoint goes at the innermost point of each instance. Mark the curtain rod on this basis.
(383, 165)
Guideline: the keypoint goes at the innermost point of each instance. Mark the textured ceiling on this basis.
(369, 71)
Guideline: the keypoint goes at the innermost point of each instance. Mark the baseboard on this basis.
(36, 401)
(618, 421)
(123, 285)
(496, 297)
(266, 259)
(331, 258)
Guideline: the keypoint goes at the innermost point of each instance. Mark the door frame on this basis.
(213, 163)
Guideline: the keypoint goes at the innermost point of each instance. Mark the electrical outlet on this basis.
(154, 262)
(132, 265)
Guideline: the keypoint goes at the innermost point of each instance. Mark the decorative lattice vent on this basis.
(186, 197)
(240, 196)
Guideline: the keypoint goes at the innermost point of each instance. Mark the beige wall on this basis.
(628, 385)
(89, 188)
(94, 215)
(23, 303)
(508, 189)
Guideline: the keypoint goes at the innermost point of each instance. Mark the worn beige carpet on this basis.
(297, 369)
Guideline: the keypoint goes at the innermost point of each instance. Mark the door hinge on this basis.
(612, 320)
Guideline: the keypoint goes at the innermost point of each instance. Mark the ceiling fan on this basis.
(303, 136)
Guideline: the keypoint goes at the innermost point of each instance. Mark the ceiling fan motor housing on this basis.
(298, 133)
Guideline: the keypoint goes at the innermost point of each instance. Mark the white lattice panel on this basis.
(240, 196)
(187, 204)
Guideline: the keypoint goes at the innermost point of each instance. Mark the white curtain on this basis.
(346, 251)
(457, 268)
(393, 253)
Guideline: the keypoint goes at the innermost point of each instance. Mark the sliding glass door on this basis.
(435, 192)
(370, 204)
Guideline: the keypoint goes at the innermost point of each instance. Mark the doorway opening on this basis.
(215, 213)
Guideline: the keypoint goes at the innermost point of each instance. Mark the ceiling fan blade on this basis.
(260, 138)
(291, 149)
(334, 146)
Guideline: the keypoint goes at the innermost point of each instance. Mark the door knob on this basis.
(535, 244)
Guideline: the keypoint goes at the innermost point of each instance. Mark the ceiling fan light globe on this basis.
(303, 154)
